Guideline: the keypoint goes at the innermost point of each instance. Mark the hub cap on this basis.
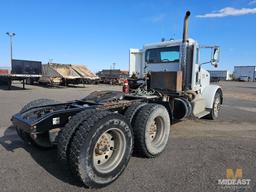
(156, 131)
(216, 107)
(109, 150)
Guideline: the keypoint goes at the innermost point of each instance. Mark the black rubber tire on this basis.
(66, 134)
(142, 144)
(82, 147)
(42, 140)
(213, 114)
(131, 112)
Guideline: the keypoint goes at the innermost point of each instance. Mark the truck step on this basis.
(202, 114)
(198, 106)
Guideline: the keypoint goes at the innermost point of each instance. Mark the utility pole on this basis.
(114, 65)
(11, 35)
(50, 61)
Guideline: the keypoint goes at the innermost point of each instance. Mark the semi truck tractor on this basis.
(96, 135)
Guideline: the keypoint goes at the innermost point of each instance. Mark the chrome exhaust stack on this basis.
(185, 27)
(184, 63)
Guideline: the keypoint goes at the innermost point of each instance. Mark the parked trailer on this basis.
(4, 71)
(59, 74)
(27, 67)
(64, 74)
(22, 70)
(95, 136)
(9, 78)
(86, 75)
(113, 76)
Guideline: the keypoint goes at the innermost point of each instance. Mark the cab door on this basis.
(196, 75)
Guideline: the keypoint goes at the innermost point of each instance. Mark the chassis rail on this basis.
(44, 118)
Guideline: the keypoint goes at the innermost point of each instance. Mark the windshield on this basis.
(163, 55)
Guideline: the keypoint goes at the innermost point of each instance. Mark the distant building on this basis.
(244, 73)
(219, 75)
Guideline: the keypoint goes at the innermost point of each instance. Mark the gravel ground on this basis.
(197, 155)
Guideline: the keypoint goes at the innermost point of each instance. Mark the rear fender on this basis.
(208, 94)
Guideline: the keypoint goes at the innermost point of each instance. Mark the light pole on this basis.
(114, 65)
(11, 35)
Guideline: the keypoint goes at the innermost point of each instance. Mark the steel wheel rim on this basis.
(109, 150)
(156, 132)
(216, 107)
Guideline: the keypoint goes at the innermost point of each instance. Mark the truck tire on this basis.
(151, 130)
(101, 148)
(67, 133)
(39, 140)
(131, 112)
(214, 114)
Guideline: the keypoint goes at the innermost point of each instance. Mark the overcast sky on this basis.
(100, 32)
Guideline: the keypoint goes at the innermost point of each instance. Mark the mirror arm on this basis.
(204, 63)
(199, 69)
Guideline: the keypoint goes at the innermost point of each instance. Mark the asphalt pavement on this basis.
(197, 155)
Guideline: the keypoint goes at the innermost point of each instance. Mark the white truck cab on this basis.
(174, 66)
(166, 56)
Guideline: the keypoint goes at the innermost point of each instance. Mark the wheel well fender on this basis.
(208, 94)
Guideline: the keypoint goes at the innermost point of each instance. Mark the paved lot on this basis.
(197, 155)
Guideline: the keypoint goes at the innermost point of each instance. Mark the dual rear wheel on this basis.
(102, 141)
(102, 144)
(151, 126)
(97, 145)
(100, 147)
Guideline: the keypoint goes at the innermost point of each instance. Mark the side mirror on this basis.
(215, 56)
